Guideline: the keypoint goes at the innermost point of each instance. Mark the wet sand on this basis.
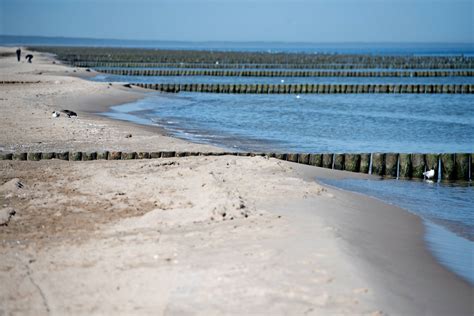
(194, 235)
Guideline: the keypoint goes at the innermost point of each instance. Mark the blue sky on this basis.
(244, 20)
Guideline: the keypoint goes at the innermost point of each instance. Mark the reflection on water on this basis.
(445, 207)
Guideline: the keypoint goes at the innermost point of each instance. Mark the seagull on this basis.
(55, 114)
(282, 80)
(429, 174)
(298, 96)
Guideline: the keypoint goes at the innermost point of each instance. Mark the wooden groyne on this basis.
(239, 59)
(282, 73)
(310, 88)
(128, 64)
(447, 166)
(12, 82)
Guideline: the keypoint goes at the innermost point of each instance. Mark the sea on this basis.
(339, 123)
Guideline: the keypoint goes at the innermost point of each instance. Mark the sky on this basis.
(327, 21)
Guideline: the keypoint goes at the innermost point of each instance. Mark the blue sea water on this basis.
(341, 123)
(315, 123)
(466, 49)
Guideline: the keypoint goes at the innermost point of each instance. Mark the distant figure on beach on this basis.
(29, 57)
(18, 54)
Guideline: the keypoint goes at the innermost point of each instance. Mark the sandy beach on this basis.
(216, 235)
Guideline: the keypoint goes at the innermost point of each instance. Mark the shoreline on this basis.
(364, 245)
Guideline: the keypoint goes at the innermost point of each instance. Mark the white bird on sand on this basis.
(55, 114)
(429, 174)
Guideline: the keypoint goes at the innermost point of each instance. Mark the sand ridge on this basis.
(185, 223)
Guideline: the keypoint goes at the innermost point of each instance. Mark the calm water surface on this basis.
(314, 123)
(341, 123)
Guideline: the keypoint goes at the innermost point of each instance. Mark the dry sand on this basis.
(195, 235)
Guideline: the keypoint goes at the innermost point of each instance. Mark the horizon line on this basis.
(229, 41)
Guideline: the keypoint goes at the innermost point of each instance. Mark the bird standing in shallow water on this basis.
(429, 174)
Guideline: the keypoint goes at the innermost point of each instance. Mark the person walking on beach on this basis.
(18, 54)
(29, 57)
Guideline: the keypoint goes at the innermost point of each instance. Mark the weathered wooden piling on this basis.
(168, 154)
(75, 155)
(405, 166)
(33, 156)
(391, 161)
(143, 155)
(316, 160)
(6, 156)
(364, 163)
(339, 161)
(19, 156)
(418, 165)
(280, 156)
(87, 156)
(155, 154)
(462, 166)
(129, 155)
(47, 155)
(292, 157)
(378, 163)
(471, 168)
(448, 170)
(303, 158)
(102, 155)
(327, 161)
(115, 155)
(352, 162)
(64, 155)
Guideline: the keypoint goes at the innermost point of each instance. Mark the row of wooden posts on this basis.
(145, 64)
(17, 82)
(310, 88)
(447, 166)
(282, 73)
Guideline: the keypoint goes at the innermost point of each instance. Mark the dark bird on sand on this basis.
(69, 113)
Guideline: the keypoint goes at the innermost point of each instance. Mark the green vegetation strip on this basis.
(280, 73)
(453, 166)
(311, 88)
